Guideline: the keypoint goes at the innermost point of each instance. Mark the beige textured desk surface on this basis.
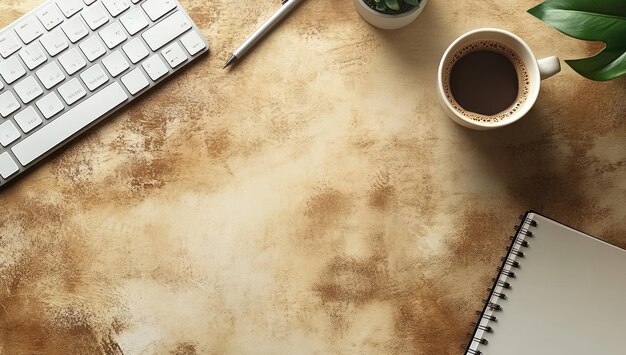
(313, 200)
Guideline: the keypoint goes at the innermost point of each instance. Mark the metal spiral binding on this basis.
(507, 273)
(515, 252)
(496, 292)
(517, 241)
(486, 316)
(511, 263)
(502, 283)
(486, 328)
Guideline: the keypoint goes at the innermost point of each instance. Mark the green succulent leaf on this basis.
(393, 4)
(412, 2)
(591, 20)
(381, 6)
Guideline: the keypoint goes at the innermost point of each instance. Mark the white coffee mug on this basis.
(537, 71)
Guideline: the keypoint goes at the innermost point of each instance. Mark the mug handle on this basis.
(548, 66)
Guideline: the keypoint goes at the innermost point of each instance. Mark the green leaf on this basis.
(381, 6)
(412, 2)
(606, 65)
(591, 20)
(393, 4)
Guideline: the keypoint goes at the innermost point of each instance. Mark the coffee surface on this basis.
(484, 82)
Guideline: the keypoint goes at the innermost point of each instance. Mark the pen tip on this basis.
(230, 61)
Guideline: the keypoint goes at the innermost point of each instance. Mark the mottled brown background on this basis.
(312, 200)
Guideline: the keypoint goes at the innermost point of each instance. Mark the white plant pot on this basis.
(387, 22)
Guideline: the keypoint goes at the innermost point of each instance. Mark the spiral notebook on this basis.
(558, 291)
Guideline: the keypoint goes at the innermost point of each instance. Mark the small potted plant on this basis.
(389, 14)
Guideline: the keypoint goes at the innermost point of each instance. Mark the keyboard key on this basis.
(28, 89)
(72, 61)
(72, 91)
(54, 42)
(95, 16)
(92, 48)
(29, 30)
(158, 8)
(75, 29)
(193, 43)
(135, 50)
(113, 35)
(33, 56)
(174, 55)
(116, 7)
(9, 44)
(135, 81)
(8, 104)
(8, 166)
(8, 133)
(28, 119)
(70, 7)
(50, 105)
(167, 30)
(11, 70)
(68, 63)
(50, 75)
(68, 124)
(154, 67)
(94, 77)
(134, 21)
(115, 63)
(50, 17)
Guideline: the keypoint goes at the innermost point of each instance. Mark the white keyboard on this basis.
(68, 64)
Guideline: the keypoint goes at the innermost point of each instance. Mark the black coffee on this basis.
(486, 81)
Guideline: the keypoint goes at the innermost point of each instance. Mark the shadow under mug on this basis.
(537, 71)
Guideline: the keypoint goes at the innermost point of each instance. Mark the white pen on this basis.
(287, 6)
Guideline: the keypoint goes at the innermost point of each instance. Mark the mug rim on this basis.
(532, 98)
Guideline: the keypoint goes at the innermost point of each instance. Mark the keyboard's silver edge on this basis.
(171, 72)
